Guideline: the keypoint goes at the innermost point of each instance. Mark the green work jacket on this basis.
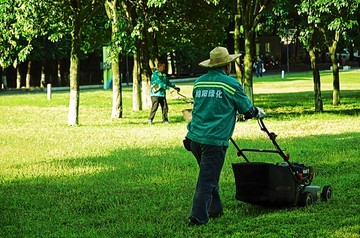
(217, 100)
(160, 82)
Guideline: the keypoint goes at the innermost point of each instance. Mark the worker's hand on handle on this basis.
(254, 112)
(177, 89)
(260, 114)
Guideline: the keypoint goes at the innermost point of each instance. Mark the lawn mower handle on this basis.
(272, 136)
(240, 152)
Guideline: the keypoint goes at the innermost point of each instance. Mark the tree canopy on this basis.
(151, 29)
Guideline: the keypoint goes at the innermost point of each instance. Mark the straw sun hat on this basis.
(219, 56)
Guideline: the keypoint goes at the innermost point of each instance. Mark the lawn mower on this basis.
(280, 184)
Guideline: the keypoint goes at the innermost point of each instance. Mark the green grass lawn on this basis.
(125, 178)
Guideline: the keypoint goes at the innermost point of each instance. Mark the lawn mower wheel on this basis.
(326, 193)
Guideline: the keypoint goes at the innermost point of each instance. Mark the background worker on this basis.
(159, 84)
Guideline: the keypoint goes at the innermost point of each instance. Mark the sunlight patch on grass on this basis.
(288, 86)
(30, 170)
(310, 125)
(348, 232)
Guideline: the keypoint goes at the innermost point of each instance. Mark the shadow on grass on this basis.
(145, 192)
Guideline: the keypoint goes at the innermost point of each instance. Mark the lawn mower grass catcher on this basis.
(276, 185)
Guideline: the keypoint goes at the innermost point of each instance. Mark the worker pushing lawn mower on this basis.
(218, 98)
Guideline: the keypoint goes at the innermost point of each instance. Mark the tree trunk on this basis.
(250, 13)
(145, 73)
(3, 78)
(42, 77)
(28, 75)
(335, 71)
(248, 68)
(316, 79)
(59, 78)
(18, 77)
(111, 11)
(336, 79)
(136, 102)
(238, 64)
(155, 51)
(73, 117)
(117, 95)
(173, 65)
(336, 88)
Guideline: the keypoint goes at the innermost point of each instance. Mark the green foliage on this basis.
(156, 3)
(190, 35)
(91, 41)
(22, 23)
(122, 39)
(334, 15)
(215, 2)
(25, 23)
(110, 178)
(15, 33)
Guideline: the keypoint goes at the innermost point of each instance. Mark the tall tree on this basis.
(138, 13)
(335, 18)
(312, 39)
(249, 12)
(72, 17)
(121, 42)
(81, 12)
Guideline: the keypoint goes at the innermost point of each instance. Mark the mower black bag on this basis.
(265, 184)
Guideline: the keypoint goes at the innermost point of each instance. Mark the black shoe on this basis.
(215, 214)
(193, 223)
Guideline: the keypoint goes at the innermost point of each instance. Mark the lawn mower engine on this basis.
(304, 173)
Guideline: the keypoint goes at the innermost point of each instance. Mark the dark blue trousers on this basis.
(207, 197)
